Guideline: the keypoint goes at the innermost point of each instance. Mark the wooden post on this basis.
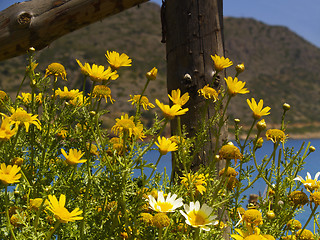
(193, 33)
(193, 30)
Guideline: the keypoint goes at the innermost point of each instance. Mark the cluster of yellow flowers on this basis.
(120, 154)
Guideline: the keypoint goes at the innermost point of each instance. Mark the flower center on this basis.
(63, 214)
(197, 218)
(126, 123)
(21, 117)
(164, 206)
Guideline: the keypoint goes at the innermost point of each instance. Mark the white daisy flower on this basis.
(170, 204)
(309, 183)
(197, 216)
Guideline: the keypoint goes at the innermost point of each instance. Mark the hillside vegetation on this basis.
(280, 65)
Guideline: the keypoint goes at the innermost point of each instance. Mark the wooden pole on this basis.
(37, 23)
(193, 30)
(193, 33)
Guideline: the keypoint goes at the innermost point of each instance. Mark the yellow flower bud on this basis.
(261, 125)
(259, 143)
(240, 68)
(286, 106)
(271, 215)
(312, 148)
(152, 74)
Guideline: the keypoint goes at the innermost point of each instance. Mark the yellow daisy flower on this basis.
(102, 91)
(315, 198)
(177, 99)
(25, 97)
(298, 198)
(249, 234)
(152, 74)
(235, 86)
(138, 131)
(57, 70)
(257, 109)
(60, 212)
(66, 94)
(221, 63)
(3, 98)
(84, 68)
(231, 172)
(229, 151)
(21, 117)
(160, 220)
(144, 101)
(116, 60)
(197, 180)
(294, 224)
(39, 98)
(309, 183)
(6, 132)
(36, 203)
(209, 93)
(276, 135)
(199, 217)
(74, 156)
(165, 145)
(124, 124)
(252, 216)
(99, 74)
(9, 174)
(305, 234)
(171, 112)
(117, 144)
(93, 148)
(79, 100)
(168, 204)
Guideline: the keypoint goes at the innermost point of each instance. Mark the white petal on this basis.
(208, 210)
(205, 228)
(299, 178)
(316, 176)
(169, 197)
(160, 197)
(184, 214)
(186, 208)
(197, 206)
(308, 176)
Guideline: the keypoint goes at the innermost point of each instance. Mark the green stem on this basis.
(160, 233)
(85, 200)
(14, 143)
(155, 167)
(309, 219)
(53, 230)
(245, 141)
(217, 146)
(7, 212)
(196, 235)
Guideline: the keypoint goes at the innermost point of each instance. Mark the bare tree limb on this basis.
(37, 23)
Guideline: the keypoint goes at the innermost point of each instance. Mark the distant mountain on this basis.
(280, 65)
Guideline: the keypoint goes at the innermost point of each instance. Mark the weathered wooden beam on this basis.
(37, 23)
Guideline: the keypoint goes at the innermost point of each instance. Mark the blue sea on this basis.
(312, 166)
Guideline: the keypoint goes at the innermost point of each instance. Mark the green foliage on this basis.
(67, 153)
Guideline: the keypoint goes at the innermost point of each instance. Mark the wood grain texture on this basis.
(194, 33)
(37, 23)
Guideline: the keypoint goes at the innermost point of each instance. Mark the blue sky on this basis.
(300, 16)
